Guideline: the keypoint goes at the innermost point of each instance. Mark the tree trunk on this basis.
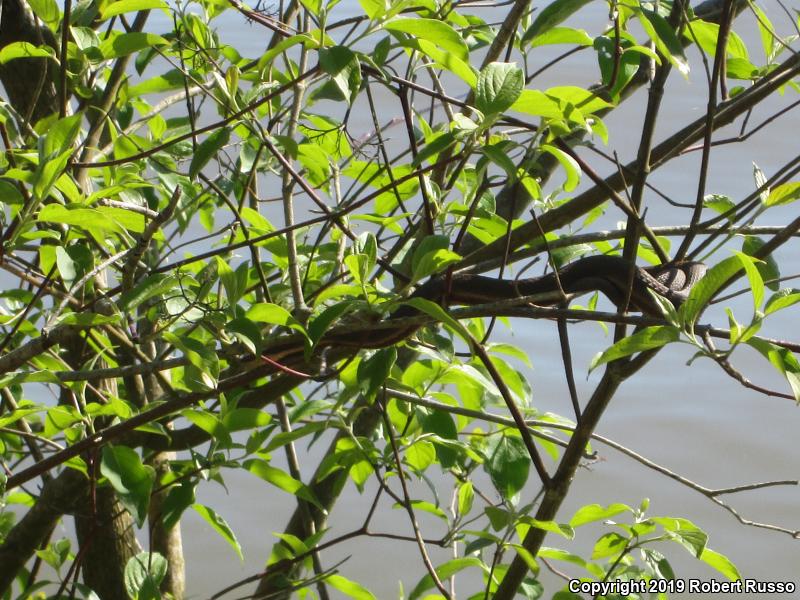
(29, 82)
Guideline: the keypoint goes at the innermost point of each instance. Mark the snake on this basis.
(625, 284)
(621, 281)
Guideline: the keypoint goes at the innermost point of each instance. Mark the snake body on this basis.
(611, 275)
(622, 282)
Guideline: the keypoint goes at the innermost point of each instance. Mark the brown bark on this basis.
(167, 542)
(29, 82)
(107, 540)
(59, 496)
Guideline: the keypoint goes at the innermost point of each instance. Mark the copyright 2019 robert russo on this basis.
(677, 586)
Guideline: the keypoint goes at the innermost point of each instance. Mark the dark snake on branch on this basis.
(623, 283)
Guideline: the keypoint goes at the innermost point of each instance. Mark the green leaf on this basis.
(47, 173)
(343, 66)
(15, 415)
(208, 149)
(180, 497)
(627, 64)
(570, 166)
(441, 423)
(433, 30)
(25, 50)
(551, 526)
(706, 35)
(783, 360)
(46, 10)
(420, 455)
(444, 571)
(323, 322)
(563, 555)
(706, 288)
(666, 41)
(124, 6)
(132, 480)
(220, 526)
(499, 86)
(87, 319)
(443, 58)
(754, 277)
(608, 545)
(766, 31)
(145, 571)
(584, 100)
(431, 256)
(538, 104)
(196, 351)
(282, 480)
(425, 507)
(170, 80)
(646, 339)
(594, 512)
(497, 155)
(720, 204)
(768, 267)
(439, 314)
(721, 563)
(551, 15)
(373, 8)
(562, 35)
(128, 43)
(240, 419)
(373, 372)
(150, 287)
(267, 58)
(351, 589)
(466, 495)
(434, 147)
(781, 299)
(266, 312)
(508, 464)
(282, 439)
(783, 194)
(89, 219)
(686, 533)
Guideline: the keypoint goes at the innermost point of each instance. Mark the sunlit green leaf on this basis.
(569, 164)
(220, 526)
(721, 563)
(499, 86)
(508, 463)
(282, 480)
(128, 43)
(124, 6)
(351, 589)
(666, 41)
(562, 35)
(551, 15)
(595, 512)
(783, 194)
(438, 32)
(645, 339)
(707, 287)
(783, 360)
(24, 50)
(444, 571)
(144, 573)
(130, 478)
